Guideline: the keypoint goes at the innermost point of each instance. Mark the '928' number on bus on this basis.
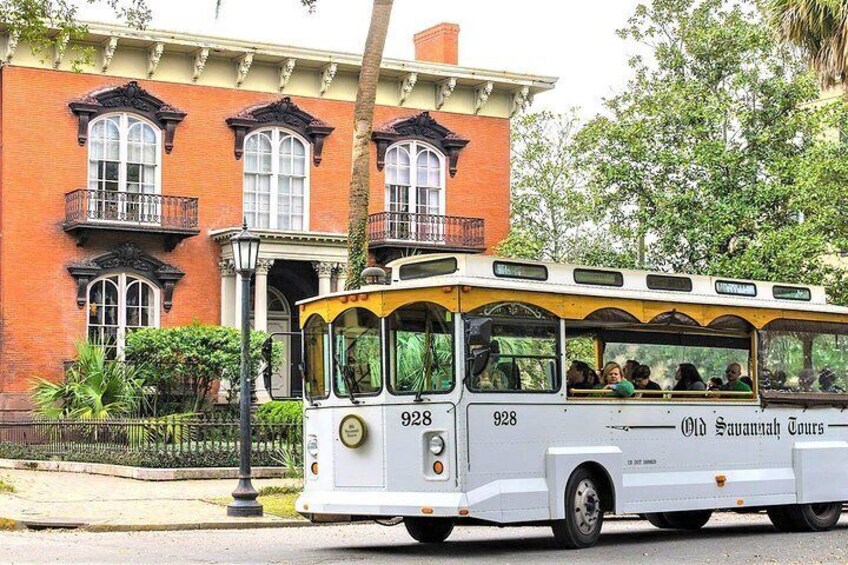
(416, 418)
(505, 418)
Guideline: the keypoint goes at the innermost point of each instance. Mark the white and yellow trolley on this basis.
(440, 397)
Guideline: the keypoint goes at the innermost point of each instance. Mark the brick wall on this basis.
(41, 161)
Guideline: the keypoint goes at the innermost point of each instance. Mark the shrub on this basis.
(183, 363)
(94, 388)
(281, 412)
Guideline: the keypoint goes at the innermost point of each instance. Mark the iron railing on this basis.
(147, 435)
(86, 206)
(428, 229)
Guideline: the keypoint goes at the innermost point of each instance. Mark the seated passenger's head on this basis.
(611, 373)
(733, 372)
(629, 367)
(580, 372)
(688, 373)
(827, 377)
(806, 378)
(642, 376)
(715, 383)
(779, 377)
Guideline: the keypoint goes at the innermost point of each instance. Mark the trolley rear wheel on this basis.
(815, 517)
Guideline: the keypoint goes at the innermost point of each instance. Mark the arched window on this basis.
(276, 181)
(117, 305)
(415, 185)
(124, 162)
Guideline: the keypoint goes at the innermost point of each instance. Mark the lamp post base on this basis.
(244, 503)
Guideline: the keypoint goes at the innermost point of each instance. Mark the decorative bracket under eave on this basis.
(154, 56)
(282, 113)
(243, 65)
(128, 98)
(10, 45)
(481, 95)
(200, 58)
(286, 70)
(405, 86)
(328, 73)
(521, 99)
(108, 53)
(422, 127)
(444, 90)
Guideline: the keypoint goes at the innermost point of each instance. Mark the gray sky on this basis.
(572, 39)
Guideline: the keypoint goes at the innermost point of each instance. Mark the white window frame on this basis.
(414, 148)
(277, 136)
(123, 150)
(123, 284)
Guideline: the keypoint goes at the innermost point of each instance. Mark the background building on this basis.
(122, 181)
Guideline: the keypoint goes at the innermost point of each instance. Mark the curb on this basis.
(140, 473)
(105, 528)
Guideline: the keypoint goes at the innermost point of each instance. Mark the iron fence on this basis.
(177, 435)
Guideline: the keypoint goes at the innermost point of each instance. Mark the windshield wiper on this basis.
(348, 380)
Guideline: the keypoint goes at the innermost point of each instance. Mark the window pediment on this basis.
(282, 113)
(128, 98)
(126, 257)
(422, 127)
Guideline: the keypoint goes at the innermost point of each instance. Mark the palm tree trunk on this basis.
(363, 118)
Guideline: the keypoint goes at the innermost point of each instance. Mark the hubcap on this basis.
(587, 507)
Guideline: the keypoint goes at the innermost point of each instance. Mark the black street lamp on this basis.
(245, 255)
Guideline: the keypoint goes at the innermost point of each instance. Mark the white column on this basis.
(260, 304)
(228, 292)
(341, 277)
(325, 273)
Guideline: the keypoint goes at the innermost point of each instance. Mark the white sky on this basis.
(572, 39)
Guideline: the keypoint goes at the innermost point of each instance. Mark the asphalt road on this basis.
(728, 538)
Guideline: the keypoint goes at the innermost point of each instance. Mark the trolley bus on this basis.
(446, 395)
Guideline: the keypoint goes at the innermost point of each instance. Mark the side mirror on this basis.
(479, 360)
(478, 332)
(267, 369)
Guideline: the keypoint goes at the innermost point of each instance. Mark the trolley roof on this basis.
(484, 271)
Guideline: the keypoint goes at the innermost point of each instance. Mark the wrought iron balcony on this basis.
(87, 210)
(430, 232)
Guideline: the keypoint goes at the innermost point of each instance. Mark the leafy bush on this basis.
(281, 412)
(184, 362)
(94, 388)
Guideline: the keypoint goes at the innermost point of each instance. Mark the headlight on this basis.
(437, 445)
(312, 447)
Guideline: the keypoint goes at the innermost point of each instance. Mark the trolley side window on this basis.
(804, 357)
(317, 357)
(523, 353)
(357, 358)
(420, 349)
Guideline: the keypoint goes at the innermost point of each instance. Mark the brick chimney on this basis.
(438, 44)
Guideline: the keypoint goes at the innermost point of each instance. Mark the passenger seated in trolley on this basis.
(615, 382)
(806, 378)
(688, 378)
(827, 381)
(498, 374)
(579, 376)
(734, 382)
(642, 379)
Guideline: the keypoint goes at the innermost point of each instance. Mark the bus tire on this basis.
(780, 519)
(584, 514)
(688, 519)
(658, 520)
(428, 530)
(815, 517)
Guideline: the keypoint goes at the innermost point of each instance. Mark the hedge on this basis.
(281, 412)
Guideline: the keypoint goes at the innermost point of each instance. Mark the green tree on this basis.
(555, 215)
(183, 363)
(715, 152)
(820, 29)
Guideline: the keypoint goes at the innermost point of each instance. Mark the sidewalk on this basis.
(101, 503)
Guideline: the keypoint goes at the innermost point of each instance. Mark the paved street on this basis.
(729, 538)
